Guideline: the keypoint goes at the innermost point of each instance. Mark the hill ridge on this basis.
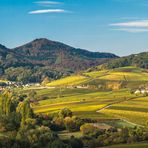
(43, 57)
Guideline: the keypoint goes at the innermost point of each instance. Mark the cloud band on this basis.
(47, 11)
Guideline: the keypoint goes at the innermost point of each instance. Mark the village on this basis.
(12, 84)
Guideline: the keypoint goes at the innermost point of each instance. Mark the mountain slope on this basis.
(60, 56)
(3, 51)
(7, 57)
(42, 58)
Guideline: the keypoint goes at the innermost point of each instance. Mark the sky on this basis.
(116, 26)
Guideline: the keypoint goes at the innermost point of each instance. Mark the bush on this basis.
(70, 124)
(73, 123)
(65, 113)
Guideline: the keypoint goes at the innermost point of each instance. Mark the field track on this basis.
(109, 105)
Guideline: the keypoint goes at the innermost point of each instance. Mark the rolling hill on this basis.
(129, 76)
(139, 60)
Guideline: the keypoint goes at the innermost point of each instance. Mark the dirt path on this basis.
(132, 123)
(109, 105)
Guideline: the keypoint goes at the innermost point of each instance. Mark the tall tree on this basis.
(25, 110)
(6, 102)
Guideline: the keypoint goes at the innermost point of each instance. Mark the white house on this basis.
(141, 91)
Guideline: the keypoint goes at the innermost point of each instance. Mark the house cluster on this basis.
(14, 84)
(31, 84)
(83, 87)
(141, 91)
(80, 87)
(11, 84)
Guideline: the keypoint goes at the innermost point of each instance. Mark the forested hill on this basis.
(139, 60)
(4, 51)
(57, 55)
(45, 58)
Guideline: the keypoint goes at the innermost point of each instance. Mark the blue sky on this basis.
(117, 26)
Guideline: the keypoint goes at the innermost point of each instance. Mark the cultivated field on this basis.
(128, 74)
(72, 80)
(115, 107)
(135, 110)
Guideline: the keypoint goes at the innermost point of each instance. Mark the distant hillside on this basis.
(45, 58)
(130, 76)
(139, 60)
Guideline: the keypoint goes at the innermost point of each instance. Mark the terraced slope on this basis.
(72, 80)
(125, 74)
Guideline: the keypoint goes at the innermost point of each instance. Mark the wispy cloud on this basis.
(132, 30)
(48, 11)
(141, 23)
(47, 2)
(131, 26)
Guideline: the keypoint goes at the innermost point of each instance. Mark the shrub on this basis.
(70, 124)
(65, 113)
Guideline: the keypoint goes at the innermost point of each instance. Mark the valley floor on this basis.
(119, 108)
